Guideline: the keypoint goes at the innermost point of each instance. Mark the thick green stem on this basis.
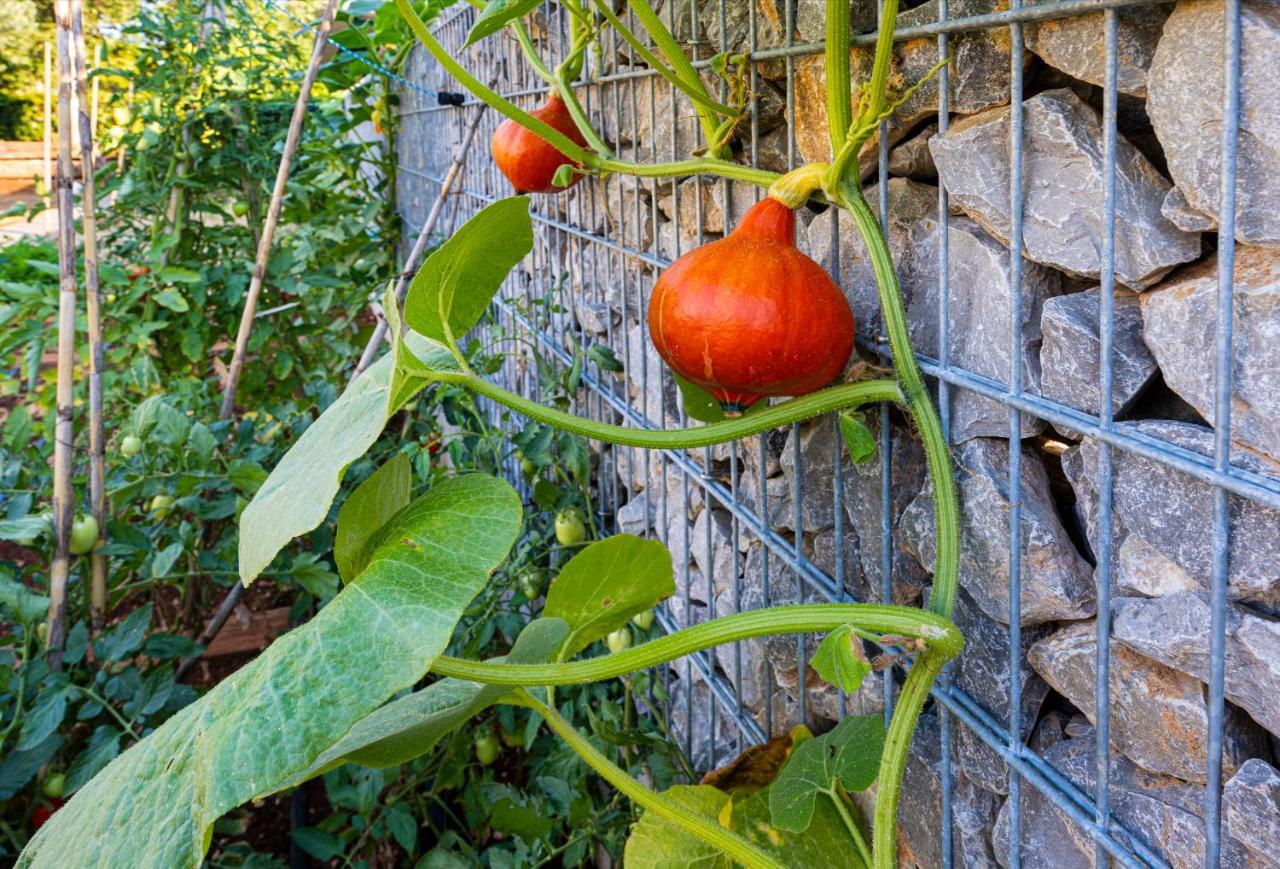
(941, 637)
(701, 826)
(839, 89)
(893, 760)
(797, 409)
(946, 507)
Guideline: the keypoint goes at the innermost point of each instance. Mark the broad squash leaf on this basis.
(458, 281)
(366, 511)
(607, 583)
(296, 496)
(655, 843)
(155, 804)
(408, 727)
(848, 755)
(840, 660)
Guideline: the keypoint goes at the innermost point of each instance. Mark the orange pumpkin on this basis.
(528, 160)
(750, 316)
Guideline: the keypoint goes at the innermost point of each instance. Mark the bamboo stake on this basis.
(63, 497)
(273, 213)
(88, 209)
(94, 102)
(424, 236)
(47, 164)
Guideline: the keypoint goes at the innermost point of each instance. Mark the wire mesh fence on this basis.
(1005, 767)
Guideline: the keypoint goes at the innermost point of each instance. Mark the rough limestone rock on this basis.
(1159, 716)
(1070, 350)
(1252, 802)
(1182, 215)
(912, 159)
(1185, 104)
(811, 19)
(652, 388)
(1156, 549)
(712, 738)
(978, 281)
(1075, 45)
(711, 543)
(862, 486)
(636, 516)
(1056, 581)
(979, 78)
(982, 672)
(1174, 630)
(817, 441)
(1180, 317)
(973, 810)
(1165, 813)
(1063, 177)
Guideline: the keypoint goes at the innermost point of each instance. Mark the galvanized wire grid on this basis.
(610, 260)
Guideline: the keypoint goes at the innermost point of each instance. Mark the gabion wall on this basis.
(1138, 537)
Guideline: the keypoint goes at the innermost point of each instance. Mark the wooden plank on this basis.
(248, 631)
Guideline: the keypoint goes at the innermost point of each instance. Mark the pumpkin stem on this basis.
(795, 188)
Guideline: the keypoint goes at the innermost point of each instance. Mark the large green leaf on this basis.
(457, 282)
(848, 756)
(298, 493)
(370, 507)
(606, 584)
(155, 804)
(497, 14)
(840, 660)
(655, 843)
(410, 726)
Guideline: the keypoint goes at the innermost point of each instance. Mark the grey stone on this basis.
(817, 441)
(710, 741)
(1159, 716)
(979, 78)
(1069, 354)
(1075, 45)
(811, 19)
(1180, 322)
(624, 203)
(1056, 582)
(1252, 802)
(649, 380)
(979, 288)
(1182, 215)
(1063, 176)
(1165, 813)
(973, 810)
(713, 554)
(982, 671)
(1162, 533)
(1174, 630)
(912, 159)
(637, 515)
(862, 486)
(1185, 104)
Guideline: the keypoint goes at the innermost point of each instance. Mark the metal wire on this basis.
(601, 246)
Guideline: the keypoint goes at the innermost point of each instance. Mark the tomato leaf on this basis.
(272, 719)
(366, 511)
(607, 583)
(458, 281)
(848, 755)
(857, 437)
(496, 15)
(840, 660)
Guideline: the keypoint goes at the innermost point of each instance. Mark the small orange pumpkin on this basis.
(528, 160)
(750, 316)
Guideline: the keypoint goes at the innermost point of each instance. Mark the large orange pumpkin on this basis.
(750, 316)
(528, 160)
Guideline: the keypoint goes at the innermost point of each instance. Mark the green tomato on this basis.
(130, 446)
(619, 640)
(643, 620)
(487, 748)
(84, 534)
(528, 467)
(111, 298)
(239, 208)
(161, 505)
(530, 585)
(54, 785)
(569, 528)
